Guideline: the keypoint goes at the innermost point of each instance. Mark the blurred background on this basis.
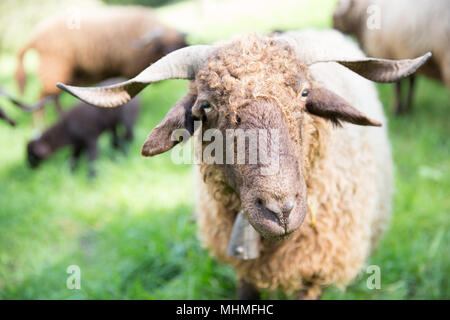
(130, 228)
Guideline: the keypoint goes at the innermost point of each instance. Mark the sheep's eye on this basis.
(305, 93)
(206, 106)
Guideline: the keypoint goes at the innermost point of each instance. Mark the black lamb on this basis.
(80, 128)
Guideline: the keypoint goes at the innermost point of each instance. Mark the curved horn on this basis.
(3, 115)
(382, 70)
(180, 64)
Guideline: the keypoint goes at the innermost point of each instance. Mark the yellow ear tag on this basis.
(312, 210)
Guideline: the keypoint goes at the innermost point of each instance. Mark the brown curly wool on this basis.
(243, 71)
(108, 42)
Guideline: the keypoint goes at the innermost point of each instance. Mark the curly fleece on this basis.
(348, 170)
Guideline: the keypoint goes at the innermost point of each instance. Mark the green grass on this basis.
(130, 232)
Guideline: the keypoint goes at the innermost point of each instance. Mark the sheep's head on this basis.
(252, 83)
(174, 41)
(37, 151)
(160, 41)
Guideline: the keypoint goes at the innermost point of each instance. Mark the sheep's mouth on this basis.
(269, 227)
(33, 161)
(280, 237)
(276, 236)
(245, 240)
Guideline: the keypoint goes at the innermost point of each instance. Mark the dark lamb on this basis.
(80, 128)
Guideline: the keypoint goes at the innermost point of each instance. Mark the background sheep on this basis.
(407, 29)
(80, 128)
(255, 82)
(108, 42)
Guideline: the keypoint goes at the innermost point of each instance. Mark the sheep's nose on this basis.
(280, 209)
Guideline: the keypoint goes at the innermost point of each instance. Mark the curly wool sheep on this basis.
(349, 179)
(331, 165)
(108, 42)
(407, 28)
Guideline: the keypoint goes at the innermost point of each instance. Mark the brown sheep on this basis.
(109, 42)
(331, 165)
(407, 28)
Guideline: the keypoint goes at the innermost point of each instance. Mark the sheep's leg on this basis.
(310, 292)
(115, 138)
(128, 137)
(75, 158)
(38, 111)
(129, 133)
(446, 70)
(92, 152)
(50, 72)
(58, 106)
(398, 108)
(247, 291)
(409, 101)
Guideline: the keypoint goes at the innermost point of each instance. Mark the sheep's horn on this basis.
(383, 70)
(38, 105)
(3, 115)
(180, 64)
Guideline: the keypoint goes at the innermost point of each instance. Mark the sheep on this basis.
(407, 29)
(334, 179)
(5, 117)
(80, 128)
(108, 42)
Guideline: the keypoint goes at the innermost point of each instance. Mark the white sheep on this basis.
(401, 29)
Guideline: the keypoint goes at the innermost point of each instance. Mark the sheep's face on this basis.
(268, 177)
(256, 90)
(36, 152)
(257, 96)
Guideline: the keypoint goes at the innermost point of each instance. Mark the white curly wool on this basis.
(407, 29)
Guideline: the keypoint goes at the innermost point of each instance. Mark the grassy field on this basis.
(130, 232)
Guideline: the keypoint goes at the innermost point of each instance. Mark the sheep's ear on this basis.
(343, 6)
(151, 38)
(164, 136)
(42, 150)
(326, 104)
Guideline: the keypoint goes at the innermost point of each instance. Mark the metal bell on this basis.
(245, 240)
